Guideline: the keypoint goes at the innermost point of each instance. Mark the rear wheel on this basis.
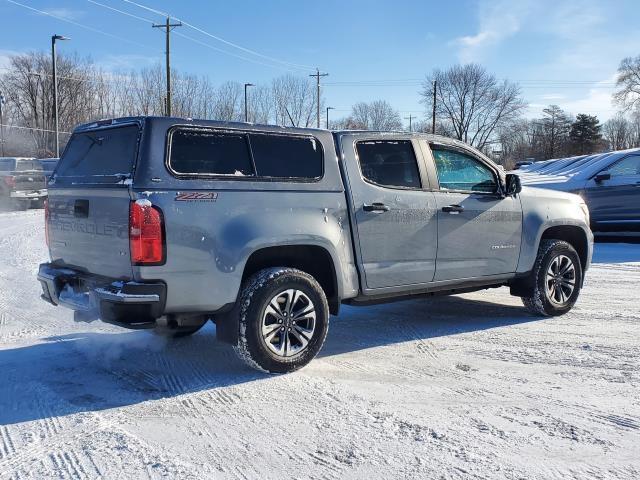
(557, 279)
(283, 320)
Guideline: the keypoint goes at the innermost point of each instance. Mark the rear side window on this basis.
(629, 166)
(389, 163)
(245, 154)
(100, 156)
(285, 156)
(200, 152)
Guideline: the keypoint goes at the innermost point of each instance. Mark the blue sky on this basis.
(561, 51)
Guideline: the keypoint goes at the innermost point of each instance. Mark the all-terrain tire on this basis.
(256, 295)
(539, 301)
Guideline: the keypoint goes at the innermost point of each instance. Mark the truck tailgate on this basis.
(29, 180)
(88, 229)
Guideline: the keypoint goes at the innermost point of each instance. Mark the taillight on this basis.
(10, 180)
(46, 220)
(146, 234)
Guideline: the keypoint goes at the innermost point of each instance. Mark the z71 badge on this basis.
(196, 196)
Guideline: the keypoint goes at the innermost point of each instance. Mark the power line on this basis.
(223, 40)
(108, 7)
(86, 27)
(195, 40)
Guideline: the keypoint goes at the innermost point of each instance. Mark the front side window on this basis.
(389, 163)
(458, 171)
(626, 167)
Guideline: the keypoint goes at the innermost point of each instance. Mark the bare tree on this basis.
(261, 104)
(376, 115)
(28, 89)
(628, 83)
(617, 131)
(472, 102)
(294, 100)
(556, 125)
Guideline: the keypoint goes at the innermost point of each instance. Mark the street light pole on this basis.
(246, 104)
(328, 108)
(55, 89)
(1, 126)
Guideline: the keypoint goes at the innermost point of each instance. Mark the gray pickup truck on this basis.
(166, 223)
(22, 182)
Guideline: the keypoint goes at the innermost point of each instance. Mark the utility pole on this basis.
(318, 75)
(1, 126)
(168, 26)
(328, 108)
(410, 118)
(54, 68)
(433, 115)
(246, 103)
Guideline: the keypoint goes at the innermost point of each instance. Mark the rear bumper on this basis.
(29, 194)
(125, 303)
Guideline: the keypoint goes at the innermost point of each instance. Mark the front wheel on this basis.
(283, 320)
(557, 279)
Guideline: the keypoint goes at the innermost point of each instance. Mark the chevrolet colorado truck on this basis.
(166, 223)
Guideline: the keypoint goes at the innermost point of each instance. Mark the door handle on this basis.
(376, 207)
(453, 209)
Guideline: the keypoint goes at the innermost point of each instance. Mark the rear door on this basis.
(89, 201)
(615, 203)
(479, 230)
(394, 211)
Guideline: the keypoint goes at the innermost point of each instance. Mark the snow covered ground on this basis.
(458, 387)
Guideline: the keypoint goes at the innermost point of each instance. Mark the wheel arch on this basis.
(315, 260)
(574, 236)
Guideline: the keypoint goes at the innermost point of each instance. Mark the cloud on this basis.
(66, 13)
(498, 20)
(552, 96)
(4, 59)
(596, 101)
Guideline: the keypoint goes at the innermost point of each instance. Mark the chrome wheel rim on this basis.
(560, 280)
(288, 323)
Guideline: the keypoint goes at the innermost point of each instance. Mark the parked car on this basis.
(608, 182)
(167, 222)
(22, 182)
(523, 163)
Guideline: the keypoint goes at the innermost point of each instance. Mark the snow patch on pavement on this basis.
(451, 387)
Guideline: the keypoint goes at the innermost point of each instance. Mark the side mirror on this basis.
(601, 177)
(513, 186)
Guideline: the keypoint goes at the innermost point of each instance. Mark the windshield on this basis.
(99, 156)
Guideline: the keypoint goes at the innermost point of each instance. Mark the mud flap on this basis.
(227, 325)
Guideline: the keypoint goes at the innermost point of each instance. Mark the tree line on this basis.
(471, 104)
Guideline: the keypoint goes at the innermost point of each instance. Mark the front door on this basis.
(615, 202)
(479, 230)
(395, 215)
